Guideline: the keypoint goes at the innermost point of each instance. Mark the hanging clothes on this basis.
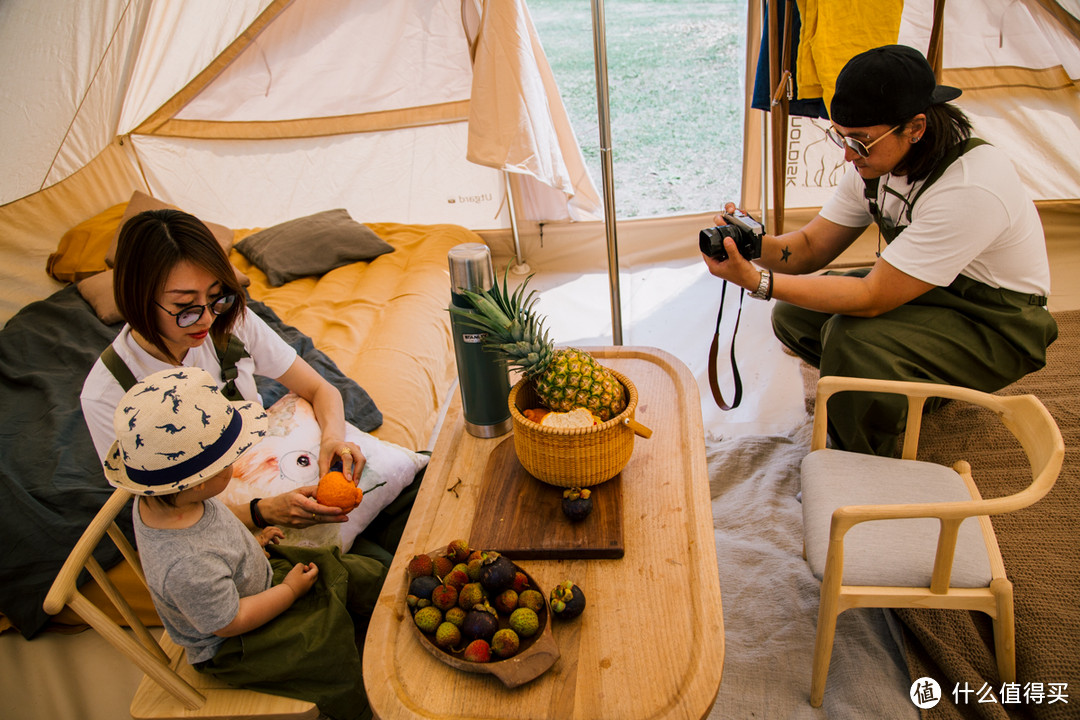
(762, 97)
(833, 32)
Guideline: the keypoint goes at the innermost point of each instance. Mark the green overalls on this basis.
(966, 334)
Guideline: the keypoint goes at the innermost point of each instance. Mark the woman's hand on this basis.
(352, 459)
(299, 509)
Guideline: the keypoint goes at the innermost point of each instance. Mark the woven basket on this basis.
(572, 457)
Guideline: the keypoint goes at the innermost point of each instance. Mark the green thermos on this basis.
(482, 377)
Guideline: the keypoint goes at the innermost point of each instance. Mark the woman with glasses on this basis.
(180, 298)
(958, 292)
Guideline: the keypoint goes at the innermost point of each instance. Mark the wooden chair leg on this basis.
(823, 644)
(1004, 630)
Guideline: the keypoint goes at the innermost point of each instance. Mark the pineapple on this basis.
(566, 378)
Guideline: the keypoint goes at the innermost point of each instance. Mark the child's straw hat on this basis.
(175, 430)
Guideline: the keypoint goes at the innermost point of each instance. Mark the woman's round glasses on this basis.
(186, 317)
(857, 146)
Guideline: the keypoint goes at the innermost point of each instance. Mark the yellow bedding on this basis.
(383, 322)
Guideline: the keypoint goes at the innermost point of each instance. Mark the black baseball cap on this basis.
(885, 86)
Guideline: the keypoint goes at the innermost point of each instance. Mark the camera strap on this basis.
(714, 352)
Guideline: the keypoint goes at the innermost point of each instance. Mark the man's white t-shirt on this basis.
(976, 220)
(270, 356)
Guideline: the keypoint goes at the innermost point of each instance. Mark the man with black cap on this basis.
(958, 293)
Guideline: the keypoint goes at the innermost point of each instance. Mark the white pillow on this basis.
(287, 458)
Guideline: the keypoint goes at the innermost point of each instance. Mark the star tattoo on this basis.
(786, 253)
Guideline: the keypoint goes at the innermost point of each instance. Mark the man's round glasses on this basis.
(190, 315)
(857, 146)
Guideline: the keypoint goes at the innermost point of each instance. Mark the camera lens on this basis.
(711, 241)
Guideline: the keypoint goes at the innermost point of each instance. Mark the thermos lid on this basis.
(470, 268)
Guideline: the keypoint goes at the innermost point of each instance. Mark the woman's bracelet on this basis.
(256, 516)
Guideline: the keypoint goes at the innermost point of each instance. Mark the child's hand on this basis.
(269, 535)
(301, 578)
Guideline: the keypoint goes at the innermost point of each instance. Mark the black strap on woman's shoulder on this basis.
(229, 352)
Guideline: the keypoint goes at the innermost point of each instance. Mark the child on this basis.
(282, 625)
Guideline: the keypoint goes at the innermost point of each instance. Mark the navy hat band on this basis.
(192, 466)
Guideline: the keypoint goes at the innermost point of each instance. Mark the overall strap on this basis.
(118, 368)
(870, 189)
(230, 351)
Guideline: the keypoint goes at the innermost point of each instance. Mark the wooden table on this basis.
(651, 641)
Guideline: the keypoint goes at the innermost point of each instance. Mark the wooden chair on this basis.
(904, 533)
(171, 688)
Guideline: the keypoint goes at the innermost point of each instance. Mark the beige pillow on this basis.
(312, 245)
(98, 291)
(140, 202)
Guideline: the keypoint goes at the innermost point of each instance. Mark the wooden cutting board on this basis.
(522, 517)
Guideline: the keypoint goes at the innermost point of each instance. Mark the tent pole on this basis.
(600, 50)
(520, 266)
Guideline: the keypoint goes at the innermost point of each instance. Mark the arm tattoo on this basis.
(786, 253)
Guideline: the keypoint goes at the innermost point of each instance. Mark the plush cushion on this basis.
(887, 552)
(98, 291)
(287, 458)
(141, 202)
(81, 252)
(312, 245)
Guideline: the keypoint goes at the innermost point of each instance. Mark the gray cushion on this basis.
(312, 245)
(887, 552)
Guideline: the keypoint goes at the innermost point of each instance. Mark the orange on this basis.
(336, 491)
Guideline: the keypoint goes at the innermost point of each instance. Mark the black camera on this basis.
(745, 230)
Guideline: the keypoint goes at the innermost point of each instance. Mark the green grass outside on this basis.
(675, 81)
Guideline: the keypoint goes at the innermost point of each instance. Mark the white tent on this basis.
(257, 111)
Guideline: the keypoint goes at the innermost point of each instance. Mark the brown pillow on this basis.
(140, 202)
(98, 291)
(312, 245)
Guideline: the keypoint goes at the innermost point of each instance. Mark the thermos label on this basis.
(473, 338)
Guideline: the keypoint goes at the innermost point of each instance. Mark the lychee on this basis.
(520, 582)
(505, 643)
(455, 615)
(447, 635)
(532, 599)
(506, 601)
(524, 622)
(444, 597)
(456, 577)
(421, 565)
(471, 594)
(458, 550)
(443, 565)
(428, 619)
(478, 651)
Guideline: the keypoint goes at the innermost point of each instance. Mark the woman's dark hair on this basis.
(946, 125)
(150, 245)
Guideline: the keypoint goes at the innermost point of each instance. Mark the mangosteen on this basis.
(422, 586)
(480, 624)
(496, 572)
(567, 600)
(577, 503)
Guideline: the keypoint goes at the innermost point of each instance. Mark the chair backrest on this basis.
(142, 649)
(171, 688)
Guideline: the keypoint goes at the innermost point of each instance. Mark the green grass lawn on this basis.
(675, 80)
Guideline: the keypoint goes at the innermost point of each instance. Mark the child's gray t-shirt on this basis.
(198, 574)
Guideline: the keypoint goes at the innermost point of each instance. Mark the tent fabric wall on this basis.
(253, 112)
(1018, 63)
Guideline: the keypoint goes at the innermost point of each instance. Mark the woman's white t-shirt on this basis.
(270, 356)
(976, 220)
